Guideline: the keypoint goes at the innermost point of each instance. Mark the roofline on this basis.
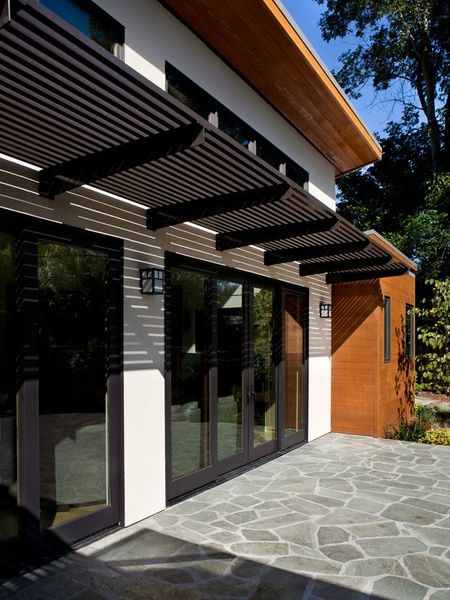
(374, 234)
(286, 14)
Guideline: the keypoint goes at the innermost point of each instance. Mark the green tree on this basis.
(402, 44)
(433, 364)
(383, 195)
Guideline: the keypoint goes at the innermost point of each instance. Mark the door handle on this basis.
(250, 397)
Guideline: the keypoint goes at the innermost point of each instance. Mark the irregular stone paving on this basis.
(342, 518)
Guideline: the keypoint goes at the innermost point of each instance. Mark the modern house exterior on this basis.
(168, 242)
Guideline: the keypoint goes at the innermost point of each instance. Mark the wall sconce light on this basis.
(152, 281)
(325, 310)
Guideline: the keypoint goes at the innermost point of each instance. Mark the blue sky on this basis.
(374, 111)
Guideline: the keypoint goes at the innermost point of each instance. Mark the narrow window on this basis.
(387, 329)
(409, 341)
(205, 105)
(91, 20)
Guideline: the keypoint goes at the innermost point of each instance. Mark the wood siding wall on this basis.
(368, 394)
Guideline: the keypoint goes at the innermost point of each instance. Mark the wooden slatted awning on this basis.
(83, 116)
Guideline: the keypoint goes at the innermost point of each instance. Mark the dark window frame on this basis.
(28, 231)
(102, 17)
(179, 487)
(409, 331)
(387, 328)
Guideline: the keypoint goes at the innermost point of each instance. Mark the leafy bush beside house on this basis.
(433, 363)
(436, 436)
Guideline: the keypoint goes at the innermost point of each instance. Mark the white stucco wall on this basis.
(144, 416)
(154, 36)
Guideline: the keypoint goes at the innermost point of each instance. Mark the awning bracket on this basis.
(271, 233)
(192, 210)
(89, 168)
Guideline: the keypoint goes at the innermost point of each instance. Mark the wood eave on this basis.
(258, 41)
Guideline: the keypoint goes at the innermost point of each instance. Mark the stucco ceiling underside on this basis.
(65, 101)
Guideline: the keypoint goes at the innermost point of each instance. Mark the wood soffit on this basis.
(83, 116)
(259, 42)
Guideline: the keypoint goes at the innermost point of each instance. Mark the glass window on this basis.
(265, 407)
(387, 329)
(230, 124)
(8, 476)
(190, 364)
(295, 172)
(230, 363)
(90, 20)
(192, 95)
(189, 93)
(73, 350)
(409, 341)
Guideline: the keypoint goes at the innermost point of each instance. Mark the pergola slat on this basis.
(247, 237)
(214, 205)
(104, 163)
(341, 265)
(361, 275)
(75, 110)
(273, 257)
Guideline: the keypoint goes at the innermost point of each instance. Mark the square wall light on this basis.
(152, 280)
(325, 310)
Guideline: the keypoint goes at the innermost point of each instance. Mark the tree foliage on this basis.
(433, 365)
(399, 42)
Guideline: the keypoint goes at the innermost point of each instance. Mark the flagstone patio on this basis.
(344, 517)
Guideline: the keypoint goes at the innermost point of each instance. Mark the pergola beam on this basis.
(273, 257)
(201, 208)
(375, 274)
(104, 163)
(331, 266)
(272, 233)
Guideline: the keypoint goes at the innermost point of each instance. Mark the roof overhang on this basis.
(262, 43)
(83, 116)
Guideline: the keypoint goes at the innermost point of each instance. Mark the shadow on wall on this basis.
(404, 376)
(155, 565)
(352, 305)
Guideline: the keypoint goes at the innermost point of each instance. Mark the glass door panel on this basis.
(8, 468)
(73, 349)
(230, 350)
(264, 394)
(294, 364)
(190, 365)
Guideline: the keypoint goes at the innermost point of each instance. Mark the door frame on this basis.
(188, 483)
(27, 231)
(301, 436)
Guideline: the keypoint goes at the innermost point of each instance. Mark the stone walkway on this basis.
(343, 518)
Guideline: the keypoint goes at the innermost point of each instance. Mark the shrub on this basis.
(433, 364)
(424, 413)
(406, 431)
(441, 407)
(436, 436)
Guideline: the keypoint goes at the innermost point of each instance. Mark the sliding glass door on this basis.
(60, 365)
(8, 446)
(224, 355)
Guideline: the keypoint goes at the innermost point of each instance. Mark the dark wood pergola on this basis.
(84, 117)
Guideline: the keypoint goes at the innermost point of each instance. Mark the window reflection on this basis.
(90, 20)
(73, 310)
(191, 340)
(8, 475)
(230, 348)
(264, 368)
